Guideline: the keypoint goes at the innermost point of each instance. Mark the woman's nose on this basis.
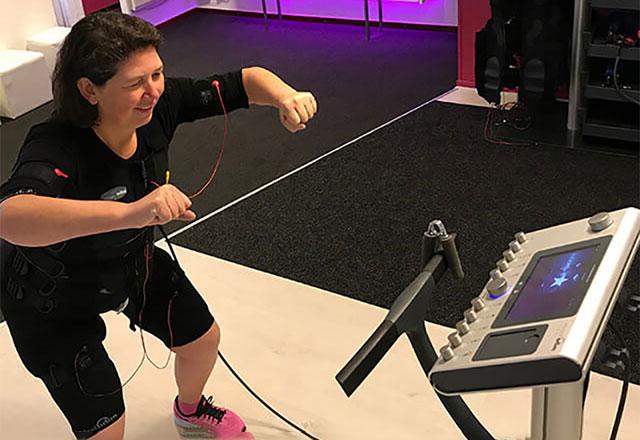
(152, 90)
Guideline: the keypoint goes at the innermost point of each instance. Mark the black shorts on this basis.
(65, 349)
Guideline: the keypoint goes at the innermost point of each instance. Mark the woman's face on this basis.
(127, 99)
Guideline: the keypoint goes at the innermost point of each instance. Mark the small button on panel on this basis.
(447, 353)
(470, 316)
(455, 340)
(477, 304)
(521, 237)
(462, 327)
(509, 256)
(515, 246)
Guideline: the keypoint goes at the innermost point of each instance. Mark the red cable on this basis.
(147, 256)
(216, 84)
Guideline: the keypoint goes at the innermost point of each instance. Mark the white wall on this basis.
(431, 12)
(23, 18)
(159, 11)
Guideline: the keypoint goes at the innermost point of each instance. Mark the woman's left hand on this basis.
(296, 110)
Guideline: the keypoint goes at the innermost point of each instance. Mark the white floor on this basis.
(469, 96)
(288, 341)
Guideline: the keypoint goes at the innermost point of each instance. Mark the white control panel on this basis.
(541, 315)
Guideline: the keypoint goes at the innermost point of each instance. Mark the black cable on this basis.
(266, 405)
(489, 137)
(615, 80)
(512, 108)
(460, 413)
(490, 122)
(236, 375)
(166, 238)
(625, 384)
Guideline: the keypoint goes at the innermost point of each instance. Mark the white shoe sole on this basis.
(191, 430)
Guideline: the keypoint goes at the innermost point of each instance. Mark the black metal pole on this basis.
(264, 12)
(366, 18)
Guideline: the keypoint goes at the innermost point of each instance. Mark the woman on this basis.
(77, 213)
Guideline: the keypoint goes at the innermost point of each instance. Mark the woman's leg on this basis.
(194, 363)
(68, 356)
(175, 313)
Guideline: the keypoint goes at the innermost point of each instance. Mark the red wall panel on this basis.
(90, 6)
(472, 16)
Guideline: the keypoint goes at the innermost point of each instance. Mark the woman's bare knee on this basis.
(208, 342)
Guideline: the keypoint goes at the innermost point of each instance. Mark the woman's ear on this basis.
(88, 90)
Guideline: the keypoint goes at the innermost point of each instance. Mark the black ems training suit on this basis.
(52, 296)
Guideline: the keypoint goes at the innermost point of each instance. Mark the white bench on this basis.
(48, 42)
(24, 82)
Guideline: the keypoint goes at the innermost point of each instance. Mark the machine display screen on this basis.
(553, 285)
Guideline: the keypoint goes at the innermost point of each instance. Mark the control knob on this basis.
(477, 304)
(600, 221)
(502, 265)
(462, 327)
(446, 352)
(455, 340)
(521, 237)
(497, 286)
(470, 316)
(508, 255)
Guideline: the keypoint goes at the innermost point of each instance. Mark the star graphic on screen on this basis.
(559, 281)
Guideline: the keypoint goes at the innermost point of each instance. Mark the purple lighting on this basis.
(431, 12)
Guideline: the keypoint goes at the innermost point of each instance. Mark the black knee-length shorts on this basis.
(64, 348)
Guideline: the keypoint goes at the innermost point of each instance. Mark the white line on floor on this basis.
(266, 185)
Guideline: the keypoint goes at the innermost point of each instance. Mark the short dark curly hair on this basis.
(95, 48)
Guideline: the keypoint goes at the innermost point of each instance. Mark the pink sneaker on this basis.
(209, 421)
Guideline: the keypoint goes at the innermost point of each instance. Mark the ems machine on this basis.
(536, 323)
